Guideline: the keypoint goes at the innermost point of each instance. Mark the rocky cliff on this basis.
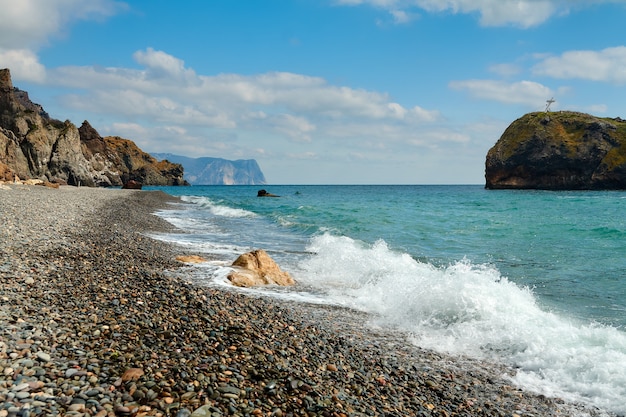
(217, 171)
(559, 151)
(35, 146)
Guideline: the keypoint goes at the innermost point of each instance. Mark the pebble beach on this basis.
(98, 319)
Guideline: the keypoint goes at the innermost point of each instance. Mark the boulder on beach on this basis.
(48, 184)
(132, 185)
(258, 268)
(191, 259)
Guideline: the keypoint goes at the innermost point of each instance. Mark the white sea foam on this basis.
(462, 308)
(473, 310)
(180, 220)
(218, 209)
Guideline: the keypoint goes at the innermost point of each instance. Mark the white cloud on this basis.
(528, 93)
(24, 65)
(159, 64)
(401, 16)
(522, 13)
(505, 70)
(27, 25)
(295, 127)
(291, 105)
(30, 23)
(125, 129)
(607, 65)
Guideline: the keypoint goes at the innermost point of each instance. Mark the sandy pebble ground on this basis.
(97, 319)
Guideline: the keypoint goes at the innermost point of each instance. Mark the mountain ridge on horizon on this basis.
(216, 171)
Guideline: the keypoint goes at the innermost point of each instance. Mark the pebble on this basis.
(119, 330)
(20, 387)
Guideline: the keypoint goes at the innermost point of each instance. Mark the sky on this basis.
(318, 91)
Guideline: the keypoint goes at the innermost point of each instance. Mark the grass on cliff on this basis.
(565, 130)
(617, 156)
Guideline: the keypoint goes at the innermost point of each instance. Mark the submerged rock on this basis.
(264, 193)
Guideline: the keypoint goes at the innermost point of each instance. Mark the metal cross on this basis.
(549, 102)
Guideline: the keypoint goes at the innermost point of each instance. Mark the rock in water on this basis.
(559, 151)
(264, 193)
(258, 268)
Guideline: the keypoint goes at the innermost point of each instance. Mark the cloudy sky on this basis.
(319, 91)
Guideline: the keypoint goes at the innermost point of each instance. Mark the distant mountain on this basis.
(217, 171)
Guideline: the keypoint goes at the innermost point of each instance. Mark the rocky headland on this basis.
(97, 319)
(37, 147)
(217, 171)
(559, 151)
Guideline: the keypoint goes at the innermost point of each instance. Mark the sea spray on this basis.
(519, 277)
(472, 310)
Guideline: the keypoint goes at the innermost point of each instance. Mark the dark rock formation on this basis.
(217, 171)
(264, 193)
(559, 151)
(34, 146)
(132, 185)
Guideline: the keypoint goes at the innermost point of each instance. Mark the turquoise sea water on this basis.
(534, 279)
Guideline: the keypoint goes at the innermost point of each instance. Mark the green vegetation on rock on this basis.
(559, 150)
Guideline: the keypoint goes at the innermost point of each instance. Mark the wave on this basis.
(463, 307)
(218, 208)
(473, 310)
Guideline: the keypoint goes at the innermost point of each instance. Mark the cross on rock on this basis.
(549, 102)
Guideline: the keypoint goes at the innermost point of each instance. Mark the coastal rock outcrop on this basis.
(35, 146)
(264, 193)
(559, 151)
(258, 268)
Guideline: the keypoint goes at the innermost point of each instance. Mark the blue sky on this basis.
(319, 91)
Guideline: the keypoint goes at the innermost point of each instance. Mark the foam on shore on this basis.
(86, 296)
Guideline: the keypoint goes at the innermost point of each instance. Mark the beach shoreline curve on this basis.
(96, 318)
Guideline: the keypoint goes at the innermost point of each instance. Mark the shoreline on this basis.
(96, 318)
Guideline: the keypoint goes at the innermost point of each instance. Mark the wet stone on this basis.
(22, 395)
(229, 390)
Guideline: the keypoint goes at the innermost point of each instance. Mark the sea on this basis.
(532, 279)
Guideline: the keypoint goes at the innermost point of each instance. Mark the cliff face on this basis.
(123, 156)
(559, 151)
(217, 171)
(32, 145)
